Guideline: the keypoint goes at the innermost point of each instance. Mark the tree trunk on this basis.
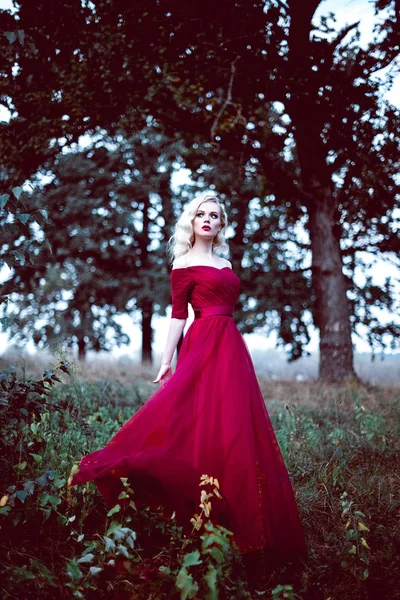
(82, 348)
(332, 312)
(147, 331)
(309, 116)
(332, 315)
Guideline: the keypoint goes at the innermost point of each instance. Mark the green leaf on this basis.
(44, 214)
(48, 245)
(3, 200)
(17, 191)
(11, 36)
(19, 254)
(24, 218)
(54, 500)
(217, 554)
(46, 513)
(124, 551)
(95, 570)
(20, 466)
(185, 583)
(37, 458)
(43, 498)
(86, 559)
(59, 483)
(165, 569)
(34, 428)
(113, 527)
(211, 578)
(114, 510)
(73, 570)
(109, 543)
(21, 495)
(29, 486)
(4, 510)
(21, 36)
(193, 558)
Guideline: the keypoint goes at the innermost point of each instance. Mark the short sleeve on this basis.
(181, 287)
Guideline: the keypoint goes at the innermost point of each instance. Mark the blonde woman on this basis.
(209, 417)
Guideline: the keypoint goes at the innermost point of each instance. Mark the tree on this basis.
(105, 215)
(309, 76)
(268, 91)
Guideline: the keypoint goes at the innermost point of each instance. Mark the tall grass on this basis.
(340, 444)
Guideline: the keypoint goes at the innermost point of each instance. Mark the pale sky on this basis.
(346, 12)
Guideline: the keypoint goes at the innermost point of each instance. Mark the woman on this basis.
(209, 417)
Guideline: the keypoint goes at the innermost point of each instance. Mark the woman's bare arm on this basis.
(174, 334)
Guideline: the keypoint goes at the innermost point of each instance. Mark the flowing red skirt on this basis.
(208, 418)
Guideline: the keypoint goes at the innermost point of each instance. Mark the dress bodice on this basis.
(203, 286)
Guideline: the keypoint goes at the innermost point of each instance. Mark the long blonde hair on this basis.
(183, 238)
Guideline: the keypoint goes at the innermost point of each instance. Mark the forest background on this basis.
(112, 128)
(113, 115)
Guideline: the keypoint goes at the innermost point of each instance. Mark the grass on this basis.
(340, 444)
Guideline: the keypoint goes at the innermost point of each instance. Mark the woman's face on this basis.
(207, 221)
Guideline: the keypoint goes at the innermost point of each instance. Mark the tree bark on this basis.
(332, 313)
(82, 348)
(147, 331)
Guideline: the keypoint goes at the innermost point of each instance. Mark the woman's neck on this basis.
(203, 248)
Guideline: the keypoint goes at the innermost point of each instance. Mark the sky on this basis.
(346, 12)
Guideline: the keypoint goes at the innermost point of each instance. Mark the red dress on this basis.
(208, 418)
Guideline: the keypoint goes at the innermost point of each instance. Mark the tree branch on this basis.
(276, 172)
(343, 34)
(227, 101)
(283, 5)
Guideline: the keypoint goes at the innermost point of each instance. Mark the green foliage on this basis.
(340, 446)
(25, 410)
(283, 592)
(103, 211)
(356, 545)
(184, 565)
(18, 220)
(257, 120)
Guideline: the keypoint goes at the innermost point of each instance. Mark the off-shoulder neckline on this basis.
(193, 266)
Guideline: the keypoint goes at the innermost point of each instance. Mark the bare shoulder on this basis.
(179, 263)
(220, 262)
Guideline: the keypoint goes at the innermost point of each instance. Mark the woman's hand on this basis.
(175, 331)
(164, 373)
